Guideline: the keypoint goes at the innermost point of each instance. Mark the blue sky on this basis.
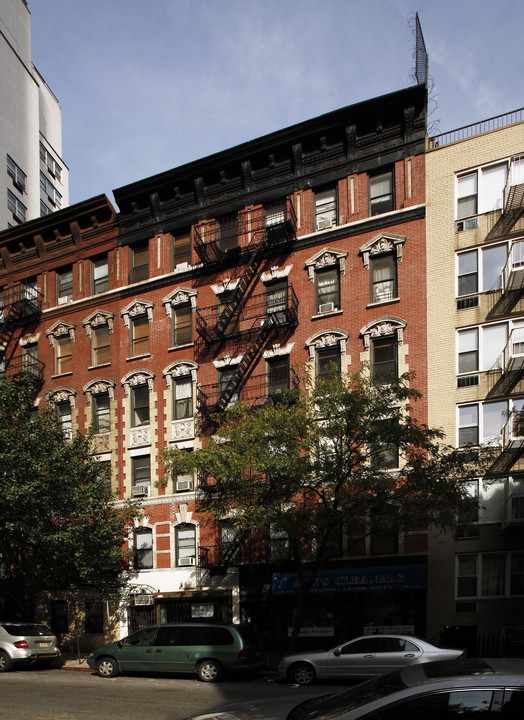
(146, 85)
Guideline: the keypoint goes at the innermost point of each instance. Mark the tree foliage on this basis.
(318, 468)
(59, 527)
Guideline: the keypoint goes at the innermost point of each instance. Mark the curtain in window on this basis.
(493, 574)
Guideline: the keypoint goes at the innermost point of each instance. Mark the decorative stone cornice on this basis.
(327, 338)
(275, 273)
(59, 330)
(277, 351)
(180, 368)
(382, 327)
(136, 309)
(98, 318)
(137, 377)
(62, 394)
(179, 296)
(381, 244)
(327, 257)
(98, 386)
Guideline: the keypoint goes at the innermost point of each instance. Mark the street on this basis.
(80, 695)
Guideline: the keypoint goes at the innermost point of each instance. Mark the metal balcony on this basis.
(20, 365)
(512, 444)
(514, 190)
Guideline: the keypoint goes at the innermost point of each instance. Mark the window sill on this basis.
(61, 375)
(383, 302)
(138, 357)
(180, 347)
(326, 314)
(95, 367)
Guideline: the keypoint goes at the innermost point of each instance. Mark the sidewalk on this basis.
(69, 661)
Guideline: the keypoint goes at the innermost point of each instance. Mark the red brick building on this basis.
(213, 282)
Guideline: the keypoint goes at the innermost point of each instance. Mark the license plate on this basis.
(43, 644)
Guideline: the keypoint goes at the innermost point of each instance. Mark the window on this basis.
(94, 617)
(100, 345)
(481, 270)
(182, 324)
(141, 470)
(481, 424)
(51, 164)
(328, 361)
(224, 376)
(181, 248)
(468, 273)
(101, 413)
(274, 213)
(184, 482)
(139, 336)
(99, 274)
(17, 208)
(64, 285)
(229, 547)
(479, 191)
(64, 355)
(464, 704)
(490, 574)
(58, 620)
(143, 558)
(185, 545)
(467, 189)
(468, 351)
(183, 398)
(385, 453)
(327, 290)
(517, 574)
(227, 233)
(140, 405)
(15, 172)
(51, 192)
(384, 360)
(467, 576)
(44, 209)
(30, 357)
(381, 198)
(139, 261)
(278, 377)
(63, 410)
(493, 574)
(104, 472)
(325, 209)
(276, 297)
(467, 522)
(383, 277)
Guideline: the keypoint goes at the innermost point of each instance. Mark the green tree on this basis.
(59, 527)
(318, 468)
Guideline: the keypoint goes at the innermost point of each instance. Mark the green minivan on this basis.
(208, 650)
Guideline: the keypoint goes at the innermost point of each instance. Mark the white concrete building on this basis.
(33, 177)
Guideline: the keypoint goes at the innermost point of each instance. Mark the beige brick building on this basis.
(475, 320)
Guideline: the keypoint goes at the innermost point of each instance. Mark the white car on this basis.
(362, 657)
(24, 643)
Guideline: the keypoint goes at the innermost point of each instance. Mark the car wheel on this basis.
(302, 674)
(5, 662)
(209, 671)
(107, 667)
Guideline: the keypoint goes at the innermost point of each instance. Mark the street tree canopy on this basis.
(327, 467)
(59, 528)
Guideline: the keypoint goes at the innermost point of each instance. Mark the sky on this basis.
(148, 85)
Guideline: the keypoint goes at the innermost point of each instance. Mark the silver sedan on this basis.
(362, 657)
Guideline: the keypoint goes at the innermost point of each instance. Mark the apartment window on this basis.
(143, 559)
(185, 538)
(384, 360)
(228, 541)
(278, 376)
(16, 174)
(490, 574)
(100, 345)
(139, 336)
(467, 575)
(279, 545)
(182, 324)
(183, 398)
(224, 376)
(140, 405)
(468, 273)
(17, 208)
(327, 289)
(64, 285)
(44, 209)
(99, 274)
(226, 229)
(104, 472)
(325, 209)
(276, 297)
(139, 260)
(481, 423)
(467, 522)
(274, 213)
(383, 278)
(94, 617)
(51, 164)
(468, 350)
(64, 355)
(181, 248)
(58, 620)
(141, 471)
(30, 357)
(385, 453)
(63, 411)
(328, 361)
(101, 413)
(467, 188)
(493, 575)
(51, 192)
(381, 197)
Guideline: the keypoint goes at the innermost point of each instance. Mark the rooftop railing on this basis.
(469, 131)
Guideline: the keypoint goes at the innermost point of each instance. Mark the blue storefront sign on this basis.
(355, 581)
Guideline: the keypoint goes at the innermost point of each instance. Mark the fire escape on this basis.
(22, 305)
(243, 319)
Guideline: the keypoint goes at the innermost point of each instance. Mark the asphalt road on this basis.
(69, 695)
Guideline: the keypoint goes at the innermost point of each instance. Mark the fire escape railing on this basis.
(512, 444)
(21, 306)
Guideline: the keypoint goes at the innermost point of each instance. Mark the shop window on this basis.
(381, 197)
(139, 261)
(143, 557)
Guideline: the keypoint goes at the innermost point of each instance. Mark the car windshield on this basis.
(329, 707)
(27, 629)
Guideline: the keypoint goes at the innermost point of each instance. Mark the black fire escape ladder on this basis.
(268, 325)
(249, 272)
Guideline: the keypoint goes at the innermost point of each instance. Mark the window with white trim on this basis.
(140, 405)
(65, 419)
(185, 544)
(325, 208)
(182, 397)
(64, 285)
(141, 471)
(101, 412)
(482, 423)
(479, 191)
(143, 550)
(498, 574)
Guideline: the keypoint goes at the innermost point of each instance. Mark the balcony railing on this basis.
(251, 314)
(469, 131)
(513, 352)
(19, 303)
(23, 364)
(514, 190)
(257, 390)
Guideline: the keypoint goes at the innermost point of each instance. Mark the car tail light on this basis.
(461, 657)
(21, 644)
(242, 655)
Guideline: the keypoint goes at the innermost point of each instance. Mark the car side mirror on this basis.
(337, 652)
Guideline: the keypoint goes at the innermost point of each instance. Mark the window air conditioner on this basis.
(185, 561)
(326, 307)
(325, 223)
(140, 491)
(184, 485)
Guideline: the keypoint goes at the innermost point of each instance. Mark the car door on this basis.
(354, 659)
(136, 652)
(395, 652)
(172, 649)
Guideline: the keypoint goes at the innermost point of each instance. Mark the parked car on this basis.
(466, 689)
(24, 643)
(364, 656)
(208, 650)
